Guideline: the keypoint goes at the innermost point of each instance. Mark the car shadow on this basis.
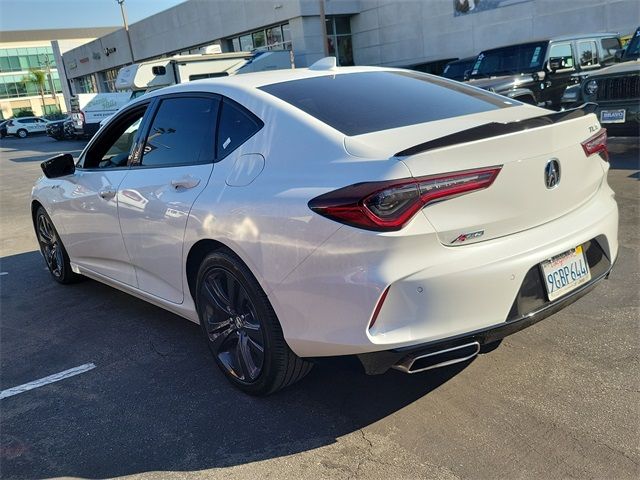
(625, 154)
(155, 401)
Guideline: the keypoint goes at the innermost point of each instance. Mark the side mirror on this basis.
(538, 76)
(617, 57)
(58, 166)
(467, 75)
(555, 64)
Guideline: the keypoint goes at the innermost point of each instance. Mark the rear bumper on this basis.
(519, 319)
(435, 293)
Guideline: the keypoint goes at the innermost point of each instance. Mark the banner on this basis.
(466, 7)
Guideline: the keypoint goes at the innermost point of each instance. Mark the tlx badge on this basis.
(468, 236)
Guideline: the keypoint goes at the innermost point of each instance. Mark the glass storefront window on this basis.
(277, 37)
(259, 39)
(339, 39)
(274, 36)
(246, 43)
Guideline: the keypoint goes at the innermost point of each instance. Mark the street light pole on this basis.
(126, 26)
(323, 26)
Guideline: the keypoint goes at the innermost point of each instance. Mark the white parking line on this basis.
(56, 377)
(4, 273)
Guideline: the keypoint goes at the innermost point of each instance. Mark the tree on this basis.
(40, 79)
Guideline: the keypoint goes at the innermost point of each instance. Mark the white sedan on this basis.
(403, 218)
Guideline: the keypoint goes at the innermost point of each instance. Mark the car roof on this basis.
(463, 60)
(255, 80)
(559, 38)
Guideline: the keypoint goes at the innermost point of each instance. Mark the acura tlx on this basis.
(404, 219)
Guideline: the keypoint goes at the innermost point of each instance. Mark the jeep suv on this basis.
(538, 72)
(616, 90)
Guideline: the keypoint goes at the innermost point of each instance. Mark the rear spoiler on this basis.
(496, 129)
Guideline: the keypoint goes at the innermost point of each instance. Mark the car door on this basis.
(559, 80)
(39, 125)
(88, 204)
(166, 176)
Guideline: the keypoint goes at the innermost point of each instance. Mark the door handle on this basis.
(107, 193)
(188, 181)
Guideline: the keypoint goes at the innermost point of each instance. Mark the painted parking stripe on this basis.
(56, 377)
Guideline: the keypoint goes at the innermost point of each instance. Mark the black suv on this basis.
(538, 72)
(616, 90)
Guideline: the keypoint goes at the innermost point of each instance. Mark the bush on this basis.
(25, 112)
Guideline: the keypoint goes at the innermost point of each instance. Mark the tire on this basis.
(242, 330)
(52, 249)
(22, 133)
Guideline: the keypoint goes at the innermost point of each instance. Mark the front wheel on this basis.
(53, 251)
(22, 133)
(241, 328)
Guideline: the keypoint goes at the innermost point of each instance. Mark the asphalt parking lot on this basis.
(558, 400)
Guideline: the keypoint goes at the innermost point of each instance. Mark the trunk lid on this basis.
(519, 198)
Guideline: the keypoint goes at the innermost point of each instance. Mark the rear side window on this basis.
(587, 54)
(358, 103)
(237, 125)
(182, 132)
(609, 47)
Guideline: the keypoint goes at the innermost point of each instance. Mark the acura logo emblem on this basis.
(552, 173)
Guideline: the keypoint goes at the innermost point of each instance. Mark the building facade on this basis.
(415, 33)
(22, 54)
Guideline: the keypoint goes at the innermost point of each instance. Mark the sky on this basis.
(37, 14)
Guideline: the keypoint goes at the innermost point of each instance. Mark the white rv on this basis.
(89, 111)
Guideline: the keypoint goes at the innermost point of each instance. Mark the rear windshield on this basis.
(364, 102)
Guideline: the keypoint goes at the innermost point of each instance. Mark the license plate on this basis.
(613, 116)
(565, 272)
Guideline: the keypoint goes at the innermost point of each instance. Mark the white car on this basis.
(24, 126)
(404, 218)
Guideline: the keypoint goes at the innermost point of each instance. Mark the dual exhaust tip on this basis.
(417, 362)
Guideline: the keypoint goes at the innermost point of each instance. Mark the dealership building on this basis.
(420, 34)
(22, 52)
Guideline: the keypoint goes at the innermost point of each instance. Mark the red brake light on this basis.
(390, 205)
(597, 144)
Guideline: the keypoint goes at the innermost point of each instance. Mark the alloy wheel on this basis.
(50, 246)
(232, 325)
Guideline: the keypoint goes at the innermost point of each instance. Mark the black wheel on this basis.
(22, 133)
(241, 328)
(55, 256)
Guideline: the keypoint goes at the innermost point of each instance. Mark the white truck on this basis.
(88, 110)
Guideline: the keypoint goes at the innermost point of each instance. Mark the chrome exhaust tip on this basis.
(416, 362)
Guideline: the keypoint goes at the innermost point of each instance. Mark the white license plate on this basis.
(565, 272)
(613, 116)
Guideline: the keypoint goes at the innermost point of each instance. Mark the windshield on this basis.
(633, 48)
(510, 60)
(455, 70)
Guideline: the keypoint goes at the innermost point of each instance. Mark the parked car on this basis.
(457, 69)
(24, 126)
(616, 91)
(538, 72)
(3, 128)
(61, 129)
(308, 213)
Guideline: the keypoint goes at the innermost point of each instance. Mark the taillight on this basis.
(390, 205)
(597, 144)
